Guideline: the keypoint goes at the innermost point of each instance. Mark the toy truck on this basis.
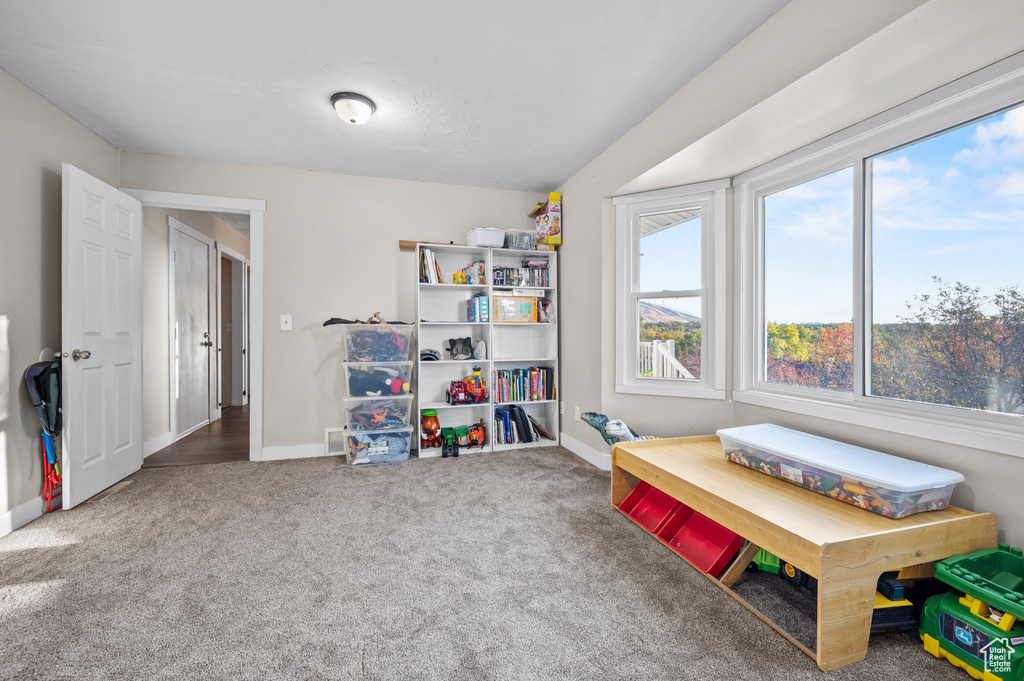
(978, 629)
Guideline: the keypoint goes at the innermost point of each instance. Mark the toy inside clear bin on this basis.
(377, 342)
(380, 379)
(378, 413)
(379, 447)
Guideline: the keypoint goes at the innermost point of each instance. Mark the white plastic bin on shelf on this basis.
(378, 413)
(383, 447)
(482, 237)
(385, 379)
(377, 342)
(886, 484)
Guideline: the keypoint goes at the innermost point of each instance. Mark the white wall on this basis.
(817, 56)
(156, 418)
(35, 138)
(331, 244)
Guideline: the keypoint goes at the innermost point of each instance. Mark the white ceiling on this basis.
(514, 95)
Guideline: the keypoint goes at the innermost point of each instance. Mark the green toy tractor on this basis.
(979, 631)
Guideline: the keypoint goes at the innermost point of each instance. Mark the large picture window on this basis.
(881, 270)
(669, 306)
(947, 268)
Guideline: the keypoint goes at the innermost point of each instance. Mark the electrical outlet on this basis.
(286, 322)
(577, 412)
(561, 408)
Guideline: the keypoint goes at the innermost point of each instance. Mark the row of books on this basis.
(430, 271)
(518, 385)
(532, 273)
(513, 425)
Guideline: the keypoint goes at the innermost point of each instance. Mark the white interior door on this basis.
(191, 329)
(101, 313)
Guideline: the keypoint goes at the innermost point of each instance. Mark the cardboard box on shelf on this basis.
(515, 309)
(549, 221)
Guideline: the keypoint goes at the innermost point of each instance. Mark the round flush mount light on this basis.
(352, 107)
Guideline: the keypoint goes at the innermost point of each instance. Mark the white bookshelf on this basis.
(440, 311)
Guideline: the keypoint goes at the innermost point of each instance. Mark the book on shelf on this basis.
(512, 425)
(534, 384)
(430, 271)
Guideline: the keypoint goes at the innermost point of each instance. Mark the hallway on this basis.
(224, 440)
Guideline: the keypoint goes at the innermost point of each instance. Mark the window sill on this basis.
(667, 389)
(993, 438)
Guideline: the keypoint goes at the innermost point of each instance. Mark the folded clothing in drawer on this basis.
(882, 483)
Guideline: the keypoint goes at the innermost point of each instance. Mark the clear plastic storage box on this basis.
(377, 342)
(384, 379)
(378, 413)
(882, 483)
(383, 447)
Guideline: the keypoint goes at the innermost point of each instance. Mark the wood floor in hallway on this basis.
(224, 440)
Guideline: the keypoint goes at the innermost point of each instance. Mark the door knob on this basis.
(80, 354)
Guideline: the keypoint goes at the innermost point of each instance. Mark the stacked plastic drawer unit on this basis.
(378, 384)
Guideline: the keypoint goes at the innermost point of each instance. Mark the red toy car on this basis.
(457, 394)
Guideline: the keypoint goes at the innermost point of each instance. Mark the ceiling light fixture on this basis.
(353, 108)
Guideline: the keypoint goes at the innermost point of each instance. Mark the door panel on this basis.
(101, 254)
(192, 311)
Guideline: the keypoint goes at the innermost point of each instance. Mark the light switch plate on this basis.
(286, 322)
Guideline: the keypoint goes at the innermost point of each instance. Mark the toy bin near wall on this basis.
(378, 413)
(382, 379)
(700, 539)
(381, 447)
(484, 237)
(377, 342)
(888, 485)
(979, 631)
(648, 506)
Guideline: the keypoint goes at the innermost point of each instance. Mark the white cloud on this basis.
(951, 249)
(998, 141)
(882, 166)
(1011, 185)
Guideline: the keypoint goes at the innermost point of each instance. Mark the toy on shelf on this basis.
(456, 393)
(548, 217)
(460, 348)
(449, 442)
(475, 386)
(430, 429)
(978, 628)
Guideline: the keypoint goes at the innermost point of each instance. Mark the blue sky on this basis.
(950, 206)
(670, 261)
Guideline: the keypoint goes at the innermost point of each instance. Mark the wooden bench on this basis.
(846, 548)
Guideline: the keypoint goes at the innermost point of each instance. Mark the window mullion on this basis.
(861, 337)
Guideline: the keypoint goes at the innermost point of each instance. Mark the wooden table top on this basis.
(700, 463)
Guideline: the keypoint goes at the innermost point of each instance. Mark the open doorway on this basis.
(195, 330)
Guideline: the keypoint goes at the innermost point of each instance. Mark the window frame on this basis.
(978, 95)
(711, 198)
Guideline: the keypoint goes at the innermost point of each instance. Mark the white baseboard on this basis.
(594, 457)
(294, 452)
(156, 444)
(22, 515)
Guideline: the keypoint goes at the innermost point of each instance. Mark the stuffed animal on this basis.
(376, 382)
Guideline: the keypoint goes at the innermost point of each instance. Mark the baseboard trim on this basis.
(153, 446)
(22, 515)
(294, 452)
(594, 457)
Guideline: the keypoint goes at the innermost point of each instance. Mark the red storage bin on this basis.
(648, 506)
(700, 539)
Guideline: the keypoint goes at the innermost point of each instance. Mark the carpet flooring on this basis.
(497, 566)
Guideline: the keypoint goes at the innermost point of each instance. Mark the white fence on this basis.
(658, 360)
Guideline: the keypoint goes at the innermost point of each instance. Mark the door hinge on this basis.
(243, 393)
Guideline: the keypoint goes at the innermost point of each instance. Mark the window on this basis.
(671, 284)
(947, 268)
(881, 270)
(808, 283)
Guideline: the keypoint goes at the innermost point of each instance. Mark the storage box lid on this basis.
(866, 465)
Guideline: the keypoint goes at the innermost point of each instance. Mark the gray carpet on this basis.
(498, 566)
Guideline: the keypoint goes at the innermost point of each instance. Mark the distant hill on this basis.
(659, 314)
